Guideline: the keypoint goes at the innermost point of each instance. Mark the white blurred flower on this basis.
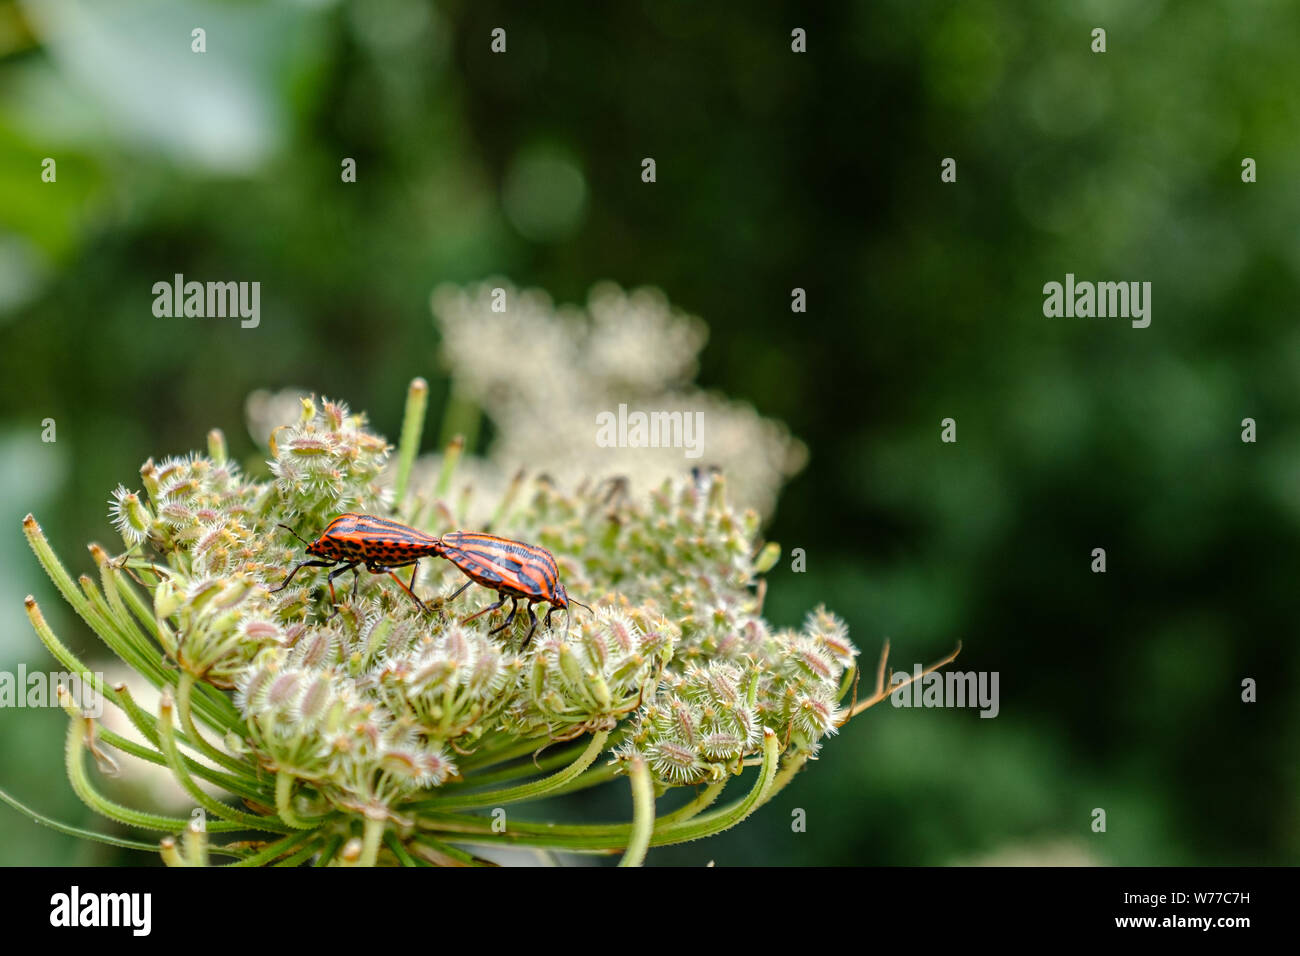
(543, 374)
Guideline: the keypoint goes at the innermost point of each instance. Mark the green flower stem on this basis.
(102, 622)
(217, 446)
(461, 417)
(370, 840)
(607, 837)
(508, 499)
(196, 845)
(213, 706)
(302, 856)
(486, 756)
(80, 603)
(590, 778)
(144, 722)
(446, 855)
(848, 680)
(525, 768)
(184, 689)
(244, 784)
(108, 585)
(791, 766)
(118, 636)
(450, 459)
(643, 814)
(417, 400)
(54, 568)
(171, 855)
(331, 848)
(403, 855)
(707, 824)
(687, 811)
(138, 640)
(83, 788)
(233, 784)
(275, 849)
(524, 791)
(284, 782)
(167, 740)
(62, 654)
(75, 831)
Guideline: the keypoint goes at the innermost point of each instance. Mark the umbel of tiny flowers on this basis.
(375, 733)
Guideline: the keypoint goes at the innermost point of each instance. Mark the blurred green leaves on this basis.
(775, 171)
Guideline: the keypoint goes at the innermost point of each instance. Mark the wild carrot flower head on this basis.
(370, 718)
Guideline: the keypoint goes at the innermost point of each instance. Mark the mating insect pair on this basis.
(511, 568)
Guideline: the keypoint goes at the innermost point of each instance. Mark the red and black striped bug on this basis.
(511, 568)
(378, 543)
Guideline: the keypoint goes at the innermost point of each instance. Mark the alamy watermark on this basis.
(948, 689)
(212, 300)
(41, 689)
(637, 429)
(132, 911)
(1125, 300)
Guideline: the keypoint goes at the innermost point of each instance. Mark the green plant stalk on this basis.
(331, 848)
(62, 654)
(444, 854)
(399, 851)
(590, 778)
(170, 853)
(74, 831)
(790, 767)
(213, 706)
(370, 840)
(643, 814)
(244, 784)
(108, 585)
(48, 560)
(461, 417)
(707, 824)
(302, 856)
(196, 845)
(608, 837)
(524, 769)
(449, 461)
(284, 782)
(508, 499)
(152, 756)
(167, 740)
(82, 787)
(498, 747)
(184, 689)
(119, 695)
(276, 849)
(417, 400)
(702, 802)
(524, 791)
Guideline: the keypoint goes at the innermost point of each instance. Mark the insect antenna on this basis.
(294, 533)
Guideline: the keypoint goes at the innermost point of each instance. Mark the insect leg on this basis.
(532, 621)
(490, 607)
(305, 564)
(388, 569)
(330, 580)
(415, 566)
(459, 591)
(514, 606)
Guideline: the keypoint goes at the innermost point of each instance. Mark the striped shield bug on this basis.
(511, 568)
(378, 543)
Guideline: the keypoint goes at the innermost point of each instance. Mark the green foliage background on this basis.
(775, 170)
